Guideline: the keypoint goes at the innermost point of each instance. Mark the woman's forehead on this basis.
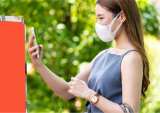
(100, 10)
(99, 7)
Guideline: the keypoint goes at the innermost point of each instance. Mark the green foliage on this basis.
(150, 18)
(67, 31)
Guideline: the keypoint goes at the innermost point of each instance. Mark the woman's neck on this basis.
(122, 41)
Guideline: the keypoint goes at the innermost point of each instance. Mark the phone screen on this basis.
(39, 39)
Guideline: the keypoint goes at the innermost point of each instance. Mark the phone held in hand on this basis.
(39, 40)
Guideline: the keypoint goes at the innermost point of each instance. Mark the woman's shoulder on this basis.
(133, 55)
(132, 59)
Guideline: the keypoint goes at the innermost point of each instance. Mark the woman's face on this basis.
(103, 16)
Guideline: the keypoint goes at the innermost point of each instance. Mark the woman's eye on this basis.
(100, 18)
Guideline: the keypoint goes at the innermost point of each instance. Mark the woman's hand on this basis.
(35, 51)
(79, 88)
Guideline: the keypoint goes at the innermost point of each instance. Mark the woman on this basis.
(116, 78)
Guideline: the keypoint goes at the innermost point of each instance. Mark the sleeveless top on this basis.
(105, 78)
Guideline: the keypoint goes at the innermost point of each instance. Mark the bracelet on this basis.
(126, 108)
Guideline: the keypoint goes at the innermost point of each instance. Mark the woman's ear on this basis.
(122, 17)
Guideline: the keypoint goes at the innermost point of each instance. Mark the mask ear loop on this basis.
(119, 26)
(111, 24)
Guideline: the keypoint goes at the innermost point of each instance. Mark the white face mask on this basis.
(105, 32)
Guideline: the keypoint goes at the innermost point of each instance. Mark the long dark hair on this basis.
(134, 30)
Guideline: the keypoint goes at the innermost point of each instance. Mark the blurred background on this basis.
(66, 30)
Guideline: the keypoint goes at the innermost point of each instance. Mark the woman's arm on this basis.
(58, 85)
(132, 75)
(132, 71)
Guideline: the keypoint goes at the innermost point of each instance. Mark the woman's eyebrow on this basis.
(100, 15)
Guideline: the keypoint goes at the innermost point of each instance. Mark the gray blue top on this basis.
(105, 78)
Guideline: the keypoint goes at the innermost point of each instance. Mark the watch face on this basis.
(94, 99)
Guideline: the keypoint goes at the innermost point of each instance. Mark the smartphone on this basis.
(36, 37)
